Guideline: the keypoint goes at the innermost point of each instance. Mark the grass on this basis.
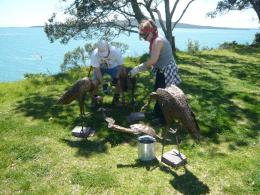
(39, 155)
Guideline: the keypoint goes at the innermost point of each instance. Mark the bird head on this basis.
(154, 95)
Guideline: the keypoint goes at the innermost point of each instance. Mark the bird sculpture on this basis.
(83, 86)
(78, 92)
(134, 128)
(127, 83)
(174, 105)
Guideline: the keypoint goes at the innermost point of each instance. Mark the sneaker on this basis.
(116, 101)
(95, 101)
(114, 81)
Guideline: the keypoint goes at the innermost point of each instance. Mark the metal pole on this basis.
(163, 137)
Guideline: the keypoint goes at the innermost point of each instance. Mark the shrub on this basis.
(144, 58)
(257, 39)
(206, 48)
(228, 45)
(193, 46)
(79, 56)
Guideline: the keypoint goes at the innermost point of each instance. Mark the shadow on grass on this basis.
(186, 183)
(213, 98)
(212, 102)
(44, 107)
(241, 69)
(87, 147)
(149, 165)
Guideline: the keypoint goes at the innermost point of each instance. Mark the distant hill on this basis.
(183, 25)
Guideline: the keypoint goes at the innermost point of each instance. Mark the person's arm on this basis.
(98, 74)
(155, 53)
(119, 59)
(94, 61)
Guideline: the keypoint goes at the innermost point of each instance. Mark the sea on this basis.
(28, 50)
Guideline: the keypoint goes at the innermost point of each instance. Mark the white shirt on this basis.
(114, 59)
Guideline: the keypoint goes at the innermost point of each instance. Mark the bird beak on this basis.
(153, 94)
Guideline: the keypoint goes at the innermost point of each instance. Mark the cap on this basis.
(103, 48)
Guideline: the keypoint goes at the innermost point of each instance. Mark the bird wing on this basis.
(73, 93)
(176, 106)
(141, 128)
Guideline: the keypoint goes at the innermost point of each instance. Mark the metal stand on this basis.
(82, 131)
(173, 158)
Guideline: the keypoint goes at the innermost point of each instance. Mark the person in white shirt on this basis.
(107, 59)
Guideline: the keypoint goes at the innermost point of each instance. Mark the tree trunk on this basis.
(138, 13)
(169, 26)
(173, 47)
(171, 39)
(256, 6)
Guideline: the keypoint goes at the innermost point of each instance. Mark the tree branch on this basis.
(161, 20)
(174, 7)
(182, 14)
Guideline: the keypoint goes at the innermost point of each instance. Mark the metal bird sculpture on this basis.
(174, 105)
(127, 83)
(78, 92)
(134, 129)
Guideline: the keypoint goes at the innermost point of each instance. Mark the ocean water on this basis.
(27, 50)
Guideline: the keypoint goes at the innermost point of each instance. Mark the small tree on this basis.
(79, 56)
(257, 39)
(193, 46)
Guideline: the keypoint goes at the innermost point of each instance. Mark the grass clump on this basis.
(100, 179)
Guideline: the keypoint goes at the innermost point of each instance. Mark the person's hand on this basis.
(137, 69)
(134, 71)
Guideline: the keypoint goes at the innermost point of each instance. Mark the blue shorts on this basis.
(110, 71)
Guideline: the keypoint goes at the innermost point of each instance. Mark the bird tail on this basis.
(73, 93)
(66, 98)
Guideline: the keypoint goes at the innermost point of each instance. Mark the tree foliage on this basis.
(79, 56)
(92, 19)
(226, 5)
(257, 39)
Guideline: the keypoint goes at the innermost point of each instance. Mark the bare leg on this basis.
(96, 82)
(121, 75)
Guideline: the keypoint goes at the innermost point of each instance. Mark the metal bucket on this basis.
(146, 148)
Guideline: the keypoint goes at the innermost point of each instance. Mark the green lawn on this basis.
(39, 155)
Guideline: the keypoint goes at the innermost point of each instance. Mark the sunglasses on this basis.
(144, 35)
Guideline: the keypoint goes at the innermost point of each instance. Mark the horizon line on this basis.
(191, 26)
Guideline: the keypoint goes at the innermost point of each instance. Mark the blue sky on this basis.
(36, 12)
